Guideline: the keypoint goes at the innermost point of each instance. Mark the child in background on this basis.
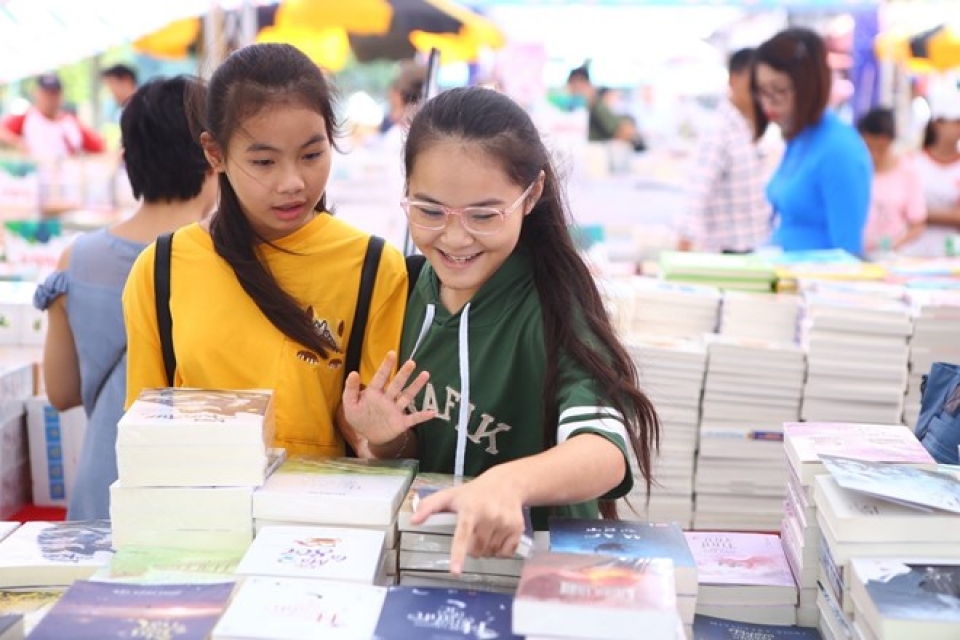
(530, 391)
(84, 358)
(898, 210)
(263, 293)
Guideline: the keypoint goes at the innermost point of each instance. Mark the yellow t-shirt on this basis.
(223, 341)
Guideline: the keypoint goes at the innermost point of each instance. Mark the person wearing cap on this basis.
(939, 167)
(46, 131)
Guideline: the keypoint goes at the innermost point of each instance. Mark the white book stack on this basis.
(856, 357)
(21, 325)
(188, 461)
(804, 443)
(671, 309)
(936, 338)
(752, 387)
(743, 577)
(54, 554)
(853, 525)
(423, 557)
(321, 553)
(671, 373)
(16, 387)
(760, 316)
(343, 492)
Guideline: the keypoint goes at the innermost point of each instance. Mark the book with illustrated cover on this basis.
(198, 417)
(323, 553)
(32, 605)
(346, 491)
(98, 610)
(43, 554)
(708, 628)
(437, 613)
(901, 484)
(294, 609)
(742, 568)
(628, 539)
(805, 442)
(575, 595)
(904, 599)
(160, 565)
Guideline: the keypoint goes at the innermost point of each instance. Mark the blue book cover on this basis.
(898, 483)
(101, 610)
(436, 613)
(707, 628)
(910, 591)
(622, 538)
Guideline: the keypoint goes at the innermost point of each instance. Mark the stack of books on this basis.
(342, 492)
(424, 557)
(725, 271)
(936, 338)
(670, 309)
(634, 540)
(596, 597)
(752, 387)
(53, 554)
(804, 444)
(188, 461)
(760, 316)
(744, 577)
(671, 373)
(903, 598)
(857, 357)
(870, 509)
(16, 387)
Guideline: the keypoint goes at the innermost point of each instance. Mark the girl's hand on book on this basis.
(489, 518)
(383, 411)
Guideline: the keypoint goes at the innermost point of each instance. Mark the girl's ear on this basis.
(213, 152)
(535, 193)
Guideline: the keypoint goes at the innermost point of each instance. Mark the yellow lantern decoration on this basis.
(171, 42)
(328, 48)
(359, 17)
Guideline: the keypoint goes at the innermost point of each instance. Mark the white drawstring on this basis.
(464, 393)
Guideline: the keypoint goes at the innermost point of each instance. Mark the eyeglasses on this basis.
(773, 95)
(481, 221)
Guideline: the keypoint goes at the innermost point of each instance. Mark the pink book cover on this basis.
(591, 580)
(871, 442)
(725, 558)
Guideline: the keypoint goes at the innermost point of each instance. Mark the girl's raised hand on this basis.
(382, 411)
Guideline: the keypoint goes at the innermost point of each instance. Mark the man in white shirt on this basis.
(727, 209)
(46, 131)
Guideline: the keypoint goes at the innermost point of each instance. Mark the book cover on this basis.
(167, 408)
(97, 610)
(340, 490)
(352, 555)
(295, 609)
(907, 591)
(153, 565)
(32, 605)
(54, 553)
(897, 483)
(709, 628)
(437, 613)
(627, 539)
(726, 558)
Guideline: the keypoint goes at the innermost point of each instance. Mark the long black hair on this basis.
(505, 131)
(251, 79)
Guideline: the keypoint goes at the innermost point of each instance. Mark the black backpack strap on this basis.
(161, 289)
(415, 264)
(368, 277)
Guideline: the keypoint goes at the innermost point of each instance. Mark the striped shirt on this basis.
(727, 208)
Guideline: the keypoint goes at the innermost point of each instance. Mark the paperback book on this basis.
(436, 613)
(54, 553)
(160, 565)
(97, 610)
(901, 484)
(709, 628)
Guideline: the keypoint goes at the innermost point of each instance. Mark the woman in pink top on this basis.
(898, 210)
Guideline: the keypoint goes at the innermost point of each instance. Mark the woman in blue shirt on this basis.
(821, 191)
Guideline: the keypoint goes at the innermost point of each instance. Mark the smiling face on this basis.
(775, 92)
(460, 174)
(278, 163)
